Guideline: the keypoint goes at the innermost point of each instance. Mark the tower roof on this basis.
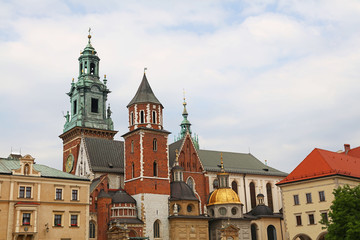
(144, 94)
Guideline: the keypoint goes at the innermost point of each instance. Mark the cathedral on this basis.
(147, 188)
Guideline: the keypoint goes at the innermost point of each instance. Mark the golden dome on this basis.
(224, 196)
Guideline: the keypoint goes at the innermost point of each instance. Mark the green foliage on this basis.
(344, 215)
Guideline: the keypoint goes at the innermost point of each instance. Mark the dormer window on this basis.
(94, 105)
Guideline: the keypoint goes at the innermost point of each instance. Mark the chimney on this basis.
(347, 148)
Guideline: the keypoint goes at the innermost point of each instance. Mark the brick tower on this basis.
(88, 116)
(146, 161)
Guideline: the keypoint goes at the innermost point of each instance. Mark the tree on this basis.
(344, 214)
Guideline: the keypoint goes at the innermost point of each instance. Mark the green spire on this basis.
(185, 127)
(88, 95)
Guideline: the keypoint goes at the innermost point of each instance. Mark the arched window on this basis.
(91, 229)
(155, 170)
(216, 183)
(154, 117)
(234, 186)
(132, 147)
(252, 195)
(271, 232)
(253, 232)
(157, 229)
(190, 183)
(269, 196)
(142, 116)
(92, 68)
(132, 170)
(155, 145)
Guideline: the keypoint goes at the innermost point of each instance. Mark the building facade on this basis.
(307, 190)
(39, 202)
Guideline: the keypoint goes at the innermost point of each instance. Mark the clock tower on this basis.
(89, 116)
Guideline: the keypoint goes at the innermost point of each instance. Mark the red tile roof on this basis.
(321, 163)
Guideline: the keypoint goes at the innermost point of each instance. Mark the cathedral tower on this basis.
(89, 115)
(146, 161)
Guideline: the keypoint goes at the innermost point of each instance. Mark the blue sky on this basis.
(276, 77)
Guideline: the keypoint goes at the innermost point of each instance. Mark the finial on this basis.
(104, 75)
(184, 95)
(222, 163)
(145, 68)
(72, 79)
(89, 36)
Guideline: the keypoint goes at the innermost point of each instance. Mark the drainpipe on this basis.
(282, 237)
(246, 208)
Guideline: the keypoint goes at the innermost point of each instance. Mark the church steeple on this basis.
(88, 95)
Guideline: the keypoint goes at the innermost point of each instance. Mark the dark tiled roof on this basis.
(94, 184)
(236, 163)
(121, 196)
(233, 162)
(144, 94)
(103, 194)
(181, 191)
(261, 210)
(105, 155)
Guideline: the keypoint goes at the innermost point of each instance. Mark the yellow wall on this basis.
(291, 210)
(187, 228)
(42, 207)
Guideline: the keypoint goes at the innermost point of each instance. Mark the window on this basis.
(132, 118)
(157, 229)
(24, 192)
(26, 219)
(189, 208)
(216, 183)
(190, 183)
(92, 68)
(142, 116)
(296, 200)
(74, 220)
(234, 186)
(57, 220)
(322, 196)
(132, 147)
(74, 194)
(324, 217)
(308, 198)
(153, 117)
(269, 196)
(222, 211)
(75, 107)
(298, 220)
(234, 211)
(92, 230)
(311, 219)
(154, 145)
(94, 105)
(271, 232)
(58, 194)
(155, 171)
(252, 195)
(254, 232)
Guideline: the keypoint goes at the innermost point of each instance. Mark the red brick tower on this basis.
(146, 160)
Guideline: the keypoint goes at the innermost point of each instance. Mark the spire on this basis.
(144, 93)
(185, 124)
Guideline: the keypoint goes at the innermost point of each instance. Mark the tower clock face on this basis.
(69, 164)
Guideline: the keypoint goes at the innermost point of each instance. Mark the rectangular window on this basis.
(94, 105)
(298, 220)
(58, 195)
(142, 116)
(74, 220)
(57, 220)
(75, 107)
(308, 198)
(74, 194)
(26, 219)
(22, 192)
(28, 192)
(322, 196)
(132, 118)
(324, 216)
(311, 219)
(153, 117)
(296, 200)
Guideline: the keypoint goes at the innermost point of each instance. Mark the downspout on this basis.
(246, 208)
(282, 237)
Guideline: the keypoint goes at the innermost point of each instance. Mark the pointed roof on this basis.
(322, 163)
(144, 94)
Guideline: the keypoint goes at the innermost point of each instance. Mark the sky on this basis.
(273, 78)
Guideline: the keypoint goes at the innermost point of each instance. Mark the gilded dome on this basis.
(224, 196)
